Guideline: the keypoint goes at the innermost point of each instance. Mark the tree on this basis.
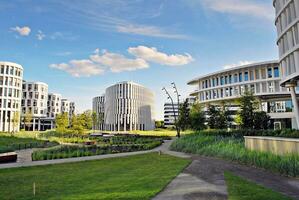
(86, 119)
(94, 120)
(184, 116)
(27, 119)
(159, 124)
(62, 122)
(77, 124)
(248, 105)
(261, 120)
(213, 115)
(16, 121)
(197, 117)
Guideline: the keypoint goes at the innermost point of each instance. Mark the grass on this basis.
(133, 177)
(241, 189)
(12, 143)
(233, 149)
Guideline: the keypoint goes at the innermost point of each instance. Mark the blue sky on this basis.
(81, 47)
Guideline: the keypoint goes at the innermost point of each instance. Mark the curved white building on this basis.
(263, 79)
(129, 106)
(34, 101)
(98, 106)
(54, 105)
(287, 25)
(11, 78)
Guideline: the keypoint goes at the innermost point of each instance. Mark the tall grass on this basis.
(232, 148)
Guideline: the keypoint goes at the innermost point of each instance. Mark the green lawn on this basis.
(241, 189)
(134, 177)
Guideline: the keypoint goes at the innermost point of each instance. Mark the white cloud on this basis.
(117, 62)
(63, 36)
(101, 61)
(23, 31)
(241, 7)
(240, 63)
(152, 31)
(80, 68)
(40, 35)
(151, 54)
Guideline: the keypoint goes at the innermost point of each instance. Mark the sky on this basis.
(79, 48)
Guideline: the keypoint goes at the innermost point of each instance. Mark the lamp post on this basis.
(179, 105)
(174, 114)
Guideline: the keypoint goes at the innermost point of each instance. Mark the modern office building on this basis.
(65, 106)
(72, 111)
(127, 106)
(98, 106)
(34, 101)
(263, 79)
(54, 105)
(11, 78)
(170, 111)
(287, 25)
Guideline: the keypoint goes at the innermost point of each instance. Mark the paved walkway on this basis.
(204, 179)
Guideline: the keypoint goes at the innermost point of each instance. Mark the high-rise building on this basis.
(11, 78)
(127, 106)
(34, 101)
(54, 105)
(98, 106)
(287, 25)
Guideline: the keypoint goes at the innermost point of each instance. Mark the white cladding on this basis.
(98, 106)
(129, 106)
(11, 78)
(54, 105)
(35, 97)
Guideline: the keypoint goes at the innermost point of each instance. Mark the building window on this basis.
(246, 76)
(222, 80)
(269, 72)
(235, 78)
(263, 73)
(240, 77)
(230, 79)
(276, 72)
(251, 75)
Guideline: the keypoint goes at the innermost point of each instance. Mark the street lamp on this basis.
(174, 113)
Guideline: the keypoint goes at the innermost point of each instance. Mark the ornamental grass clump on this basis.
(233, 148)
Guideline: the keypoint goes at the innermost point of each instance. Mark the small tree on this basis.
(248, 105)
(86, 118)
(95, 123)
(77, 124)
(184, 116)
(197, 117)
(159, 124)
(213, 115)
(28, 119)
(16, 121)
(261, 120)
(62, 122)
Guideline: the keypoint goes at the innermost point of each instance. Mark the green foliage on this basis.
(241, 189)
(249, 117)
(12, 143)
(95, 120)
(184, 116)
(116, 144)
(62, 122)
(159, 124)
(133, 177)
(86, 119)
(27, 119)
(197, 117)
(233, 148)
(77, 125)
(218, 117)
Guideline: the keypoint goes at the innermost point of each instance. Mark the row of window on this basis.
(9, 92)
(9, 103)
(10, 70)
(287, 16)
(265, 87)
(241, 76)
(35, 87)
(289, 40)
(36, 95)
(10, 81)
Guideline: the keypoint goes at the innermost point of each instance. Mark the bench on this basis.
(8, 157)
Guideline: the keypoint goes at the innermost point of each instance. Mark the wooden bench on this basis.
(8, 157)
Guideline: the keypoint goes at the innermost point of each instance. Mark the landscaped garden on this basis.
(134, 177)
(230, 146)
(101, 145)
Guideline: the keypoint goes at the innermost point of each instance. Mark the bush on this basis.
(221, 144)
